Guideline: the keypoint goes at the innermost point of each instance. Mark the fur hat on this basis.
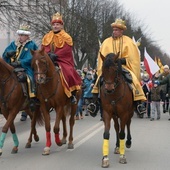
(166, 66)
(24, 29)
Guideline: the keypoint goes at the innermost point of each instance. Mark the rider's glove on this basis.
(15, 64)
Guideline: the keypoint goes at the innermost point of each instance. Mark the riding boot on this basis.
(73, 97)
(140, 108)
(23, 116)
(93, 107)
(33, 102)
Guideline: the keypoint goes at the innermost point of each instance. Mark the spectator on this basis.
(155, 99)
(88, 85)
(164, 89)
(147, 85)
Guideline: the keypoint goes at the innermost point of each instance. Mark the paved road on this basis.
(150, 147)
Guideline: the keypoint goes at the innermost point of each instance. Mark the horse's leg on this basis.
(15, 139)
(116, 126)
(48, 131)
(10, 119)
(128, 141)
(33, 129)
(64, 140)
(122, 143)
(106, 136)
(71, 123)
(59, 115)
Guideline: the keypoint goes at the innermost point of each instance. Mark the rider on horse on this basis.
(58, 44)
(130, 60)
(18, 55)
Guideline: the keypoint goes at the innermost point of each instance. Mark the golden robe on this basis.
(130, 52)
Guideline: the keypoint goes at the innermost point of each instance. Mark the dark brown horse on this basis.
(117, 103)
(13, 100)
(51, 94)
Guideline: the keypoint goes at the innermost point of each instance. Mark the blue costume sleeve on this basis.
(11, 47)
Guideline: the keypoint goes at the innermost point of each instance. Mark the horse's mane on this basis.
(10, 68)
(109, 60)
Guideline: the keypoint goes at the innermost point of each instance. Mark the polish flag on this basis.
(150, 65)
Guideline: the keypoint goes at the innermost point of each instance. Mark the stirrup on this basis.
(141, 109)
(73, 99)
(92, 108)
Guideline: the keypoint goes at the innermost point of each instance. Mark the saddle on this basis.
(28, 86)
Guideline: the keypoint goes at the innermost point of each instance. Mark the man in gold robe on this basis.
(129, 56)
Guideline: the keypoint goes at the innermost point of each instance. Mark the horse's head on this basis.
(42, 66)
(110, 72)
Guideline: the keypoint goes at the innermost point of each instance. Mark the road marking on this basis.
(88, 136)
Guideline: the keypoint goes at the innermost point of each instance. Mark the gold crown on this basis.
(57, 18)
(24, 27)
(119, 23)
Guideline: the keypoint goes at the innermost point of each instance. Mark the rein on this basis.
(47, 80)
(46, 99)
(3, 83)
(45, 72)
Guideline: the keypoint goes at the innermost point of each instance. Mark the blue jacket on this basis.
(88, 88)
(25, 56)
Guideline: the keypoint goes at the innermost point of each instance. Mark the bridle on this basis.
(118, 80)
(47, 80)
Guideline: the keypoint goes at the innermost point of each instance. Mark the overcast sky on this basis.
(155, 14)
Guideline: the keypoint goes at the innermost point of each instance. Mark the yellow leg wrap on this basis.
(105, 147)
(122, 147)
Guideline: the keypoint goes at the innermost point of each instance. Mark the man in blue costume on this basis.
(18, 55)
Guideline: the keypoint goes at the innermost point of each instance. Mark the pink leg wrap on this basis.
(57, 138)
(48, 139)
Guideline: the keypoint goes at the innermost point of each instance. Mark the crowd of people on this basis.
(58, 44)
(157, 91)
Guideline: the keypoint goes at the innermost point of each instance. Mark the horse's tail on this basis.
(39, 116)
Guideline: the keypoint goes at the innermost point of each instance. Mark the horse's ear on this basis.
(42, 50)
(117, 55)
(102, 57)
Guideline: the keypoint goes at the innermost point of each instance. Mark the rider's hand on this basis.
(53, 57)
(10, 54)
(15, 64)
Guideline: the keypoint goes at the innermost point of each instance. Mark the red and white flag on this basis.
(150, 65)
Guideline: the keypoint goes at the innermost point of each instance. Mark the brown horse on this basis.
(13, 100)
(51, 94)
(117, 103)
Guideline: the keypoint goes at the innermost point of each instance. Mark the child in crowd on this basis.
(155, 99)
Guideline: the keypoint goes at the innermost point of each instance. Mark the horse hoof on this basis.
(59, 144)
(105, 162)
(116, 151)
(0, 151)
(46, 151)
(14, 150)
(70, 146)
(122, 159)
(64, 141)
(28, 145)
(128, 144)
(36, 138)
